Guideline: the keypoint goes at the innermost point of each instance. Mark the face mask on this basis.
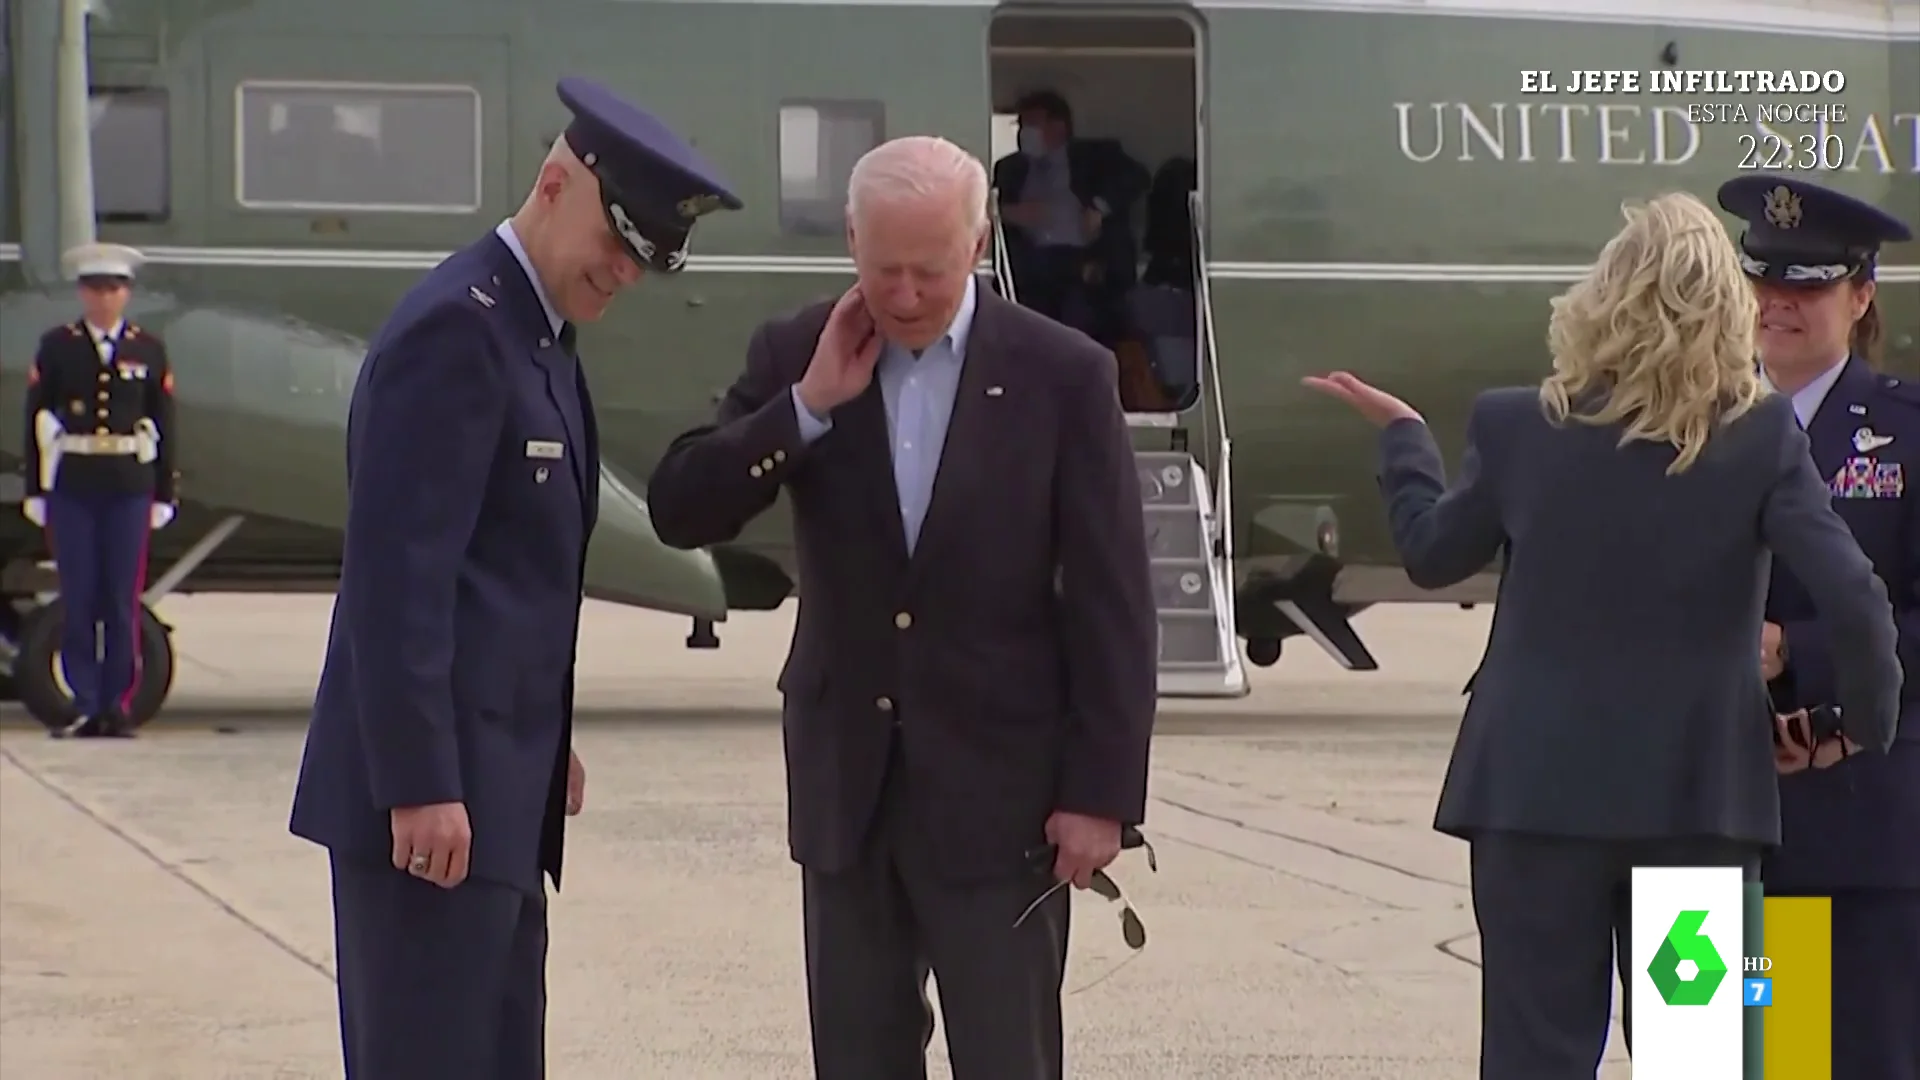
(1032, 142)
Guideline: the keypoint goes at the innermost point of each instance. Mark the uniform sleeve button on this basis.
(755, 471)
(903, 620)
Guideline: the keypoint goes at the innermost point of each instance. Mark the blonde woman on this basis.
(1617, 718)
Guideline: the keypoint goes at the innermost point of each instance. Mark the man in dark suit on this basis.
(1067, 206)
(1850, 829)
(438, 766)
(1617, 720)
(100, 478)
(971, 680)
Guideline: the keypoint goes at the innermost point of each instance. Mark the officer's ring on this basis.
(419, 864)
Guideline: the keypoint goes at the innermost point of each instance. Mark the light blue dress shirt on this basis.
(919, 392)
(1810, 397)
(1050, 183)
(507, 236)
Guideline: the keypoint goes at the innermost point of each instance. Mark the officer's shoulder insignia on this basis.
(481, 298)
(133, 331)
(1901, 390)
(75, 330)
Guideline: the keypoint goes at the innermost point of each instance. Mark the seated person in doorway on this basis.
(1066, 204)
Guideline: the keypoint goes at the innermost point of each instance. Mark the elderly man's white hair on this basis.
(919, 167)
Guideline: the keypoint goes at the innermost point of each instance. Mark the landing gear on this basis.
(36, 668)
(1271, 609)
(703, 636)
(10, 626)
(1263, 652)
(30, 635)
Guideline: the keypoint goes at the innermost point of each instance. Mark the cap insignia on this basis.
(1783, 208)
(699, 205)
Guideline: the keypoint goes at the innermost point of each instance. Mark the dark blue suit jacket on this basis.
(1857, 825)
(472, 479)
(1620, 697)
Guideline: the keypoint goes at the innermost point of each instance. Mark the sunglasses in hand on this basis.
(1132, 930)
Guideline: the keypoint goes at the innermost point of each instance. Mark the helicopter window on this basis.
(130, 162)
(387, 148)
(819, 142)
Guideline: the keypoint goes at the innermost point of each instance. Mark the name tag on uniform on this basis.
(548, 451)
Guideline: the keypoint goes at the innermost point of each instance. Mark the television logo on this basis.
(1689, 924)
(1687, 969)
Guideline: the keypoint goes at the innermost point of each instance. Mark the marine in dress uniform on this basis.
(100, 478)
(473, 478)
(1851, 831)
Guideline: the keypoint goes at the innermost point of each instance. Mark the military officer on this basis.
(1850, 829)
(438, 766)
(100, 478)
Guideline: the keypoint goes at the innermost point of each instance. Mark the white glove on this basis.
(160, 514)
(35, 509)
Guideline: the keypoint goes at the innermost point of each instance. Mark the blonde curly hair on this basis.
(1663, 327)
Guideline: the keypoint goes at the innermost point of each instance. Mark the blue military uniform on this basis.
(100, 478)
(473, 474)
(1852, 831)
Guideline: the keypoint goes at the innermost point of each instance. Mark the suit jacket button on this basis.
(903, 620)
(883, 703)
(756, 471)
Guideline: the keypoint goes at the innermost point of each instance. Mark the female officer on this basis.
(1852, 830)
(1616, 720)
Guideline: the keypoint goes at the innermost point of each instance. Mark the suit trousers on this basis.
(99, 543)
(1555, 918)
(876, 930)
(438, 984)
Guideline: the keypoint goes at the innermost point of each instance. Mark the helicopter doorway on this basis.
(1132, 81)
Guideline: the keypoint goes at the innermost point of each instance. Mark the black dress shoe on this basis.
(108, 725)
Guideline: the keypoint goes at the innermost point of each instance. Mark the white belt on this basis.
(99, 445)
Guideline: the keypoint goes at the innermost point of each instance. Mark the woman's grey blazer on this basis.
(1620, 696)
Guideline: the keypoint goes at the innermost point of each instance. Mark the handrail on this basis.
(1002, 265)
(1223, 463)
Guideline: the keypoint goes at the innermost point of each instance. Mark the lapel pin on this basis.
(995, 391)
(540, 475)
(483, 298)
(1857, 409)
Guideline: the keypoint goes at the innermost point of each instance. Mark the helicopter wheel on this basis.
(43, 690)
(1263, 652)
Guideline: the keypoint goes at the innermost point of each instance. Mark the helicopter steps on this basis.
(1192, 586)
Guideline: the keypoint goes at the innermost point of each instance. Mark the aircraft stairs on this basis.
(1187, 497)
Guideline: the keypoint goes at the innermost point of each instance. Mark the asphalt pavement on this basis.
(158, 922)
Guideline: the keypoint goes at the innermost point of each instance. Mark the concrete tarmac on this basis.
(158, 922)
